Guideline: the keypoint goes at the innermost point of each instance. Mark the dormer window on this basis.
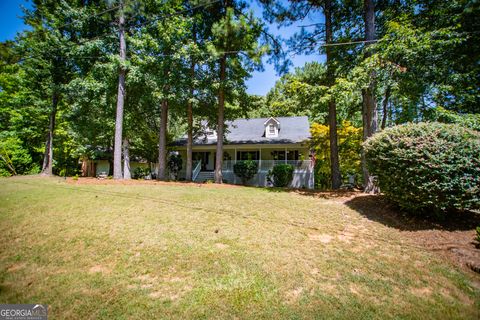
(272, 127)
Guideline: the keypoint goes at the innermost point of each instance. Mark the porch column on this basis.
(285, 155)
(259, 166)
(260, 159)
(234, 175)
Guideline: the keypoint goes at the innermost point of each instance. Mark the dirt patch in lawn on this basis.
(452, 237)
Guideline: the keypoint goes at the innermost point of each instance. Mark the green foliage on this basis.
(478, 235)
(427, 166)
(141, 172)
(467, 120)
(281, 175)
(245, 170)
(304, 92)
(14, 157)
(349, 145)
(174, 164)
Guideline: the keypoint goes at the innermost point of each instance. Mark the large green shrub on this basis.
(245, 170)
(427, 166)
(281, 175)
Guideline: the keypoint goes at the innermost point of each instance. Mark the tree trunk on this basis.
(189, 162)
(126, 159)
(332, 111)
(369, 105)
(220, 122)
(117, 149)
(385, 107)
(162, 142)
(47, 167)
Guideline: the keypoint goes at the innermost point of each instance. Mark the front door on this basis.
(202, 156)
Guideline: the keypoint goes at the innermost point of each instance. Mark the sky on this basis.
(260, 83)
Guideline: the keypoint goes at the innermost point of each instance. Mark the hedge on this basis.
(427, 166)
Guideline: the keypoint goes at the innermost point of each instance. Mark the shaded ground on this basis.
(142, 249)
(452, 237)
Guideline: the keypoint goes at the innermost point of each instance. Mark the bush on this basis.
(141, 172)
(14, 157)
(245, 170)
(281, 175)
(427, 166)
(174, 164)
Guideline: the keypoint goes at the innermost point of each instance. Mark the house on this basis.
(268, 141)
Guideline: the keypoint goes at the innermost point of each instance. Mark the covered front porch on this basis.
(266, 157)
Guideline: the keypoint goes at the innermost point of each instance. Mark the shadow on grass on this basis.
(324, 194)
(377, 208)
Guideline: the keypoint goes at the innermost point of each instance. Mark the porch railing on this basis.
(265, 165)
(196, 171)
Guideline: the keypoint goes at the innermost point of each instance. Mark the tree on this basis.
(307, 42)
(369, 105)
(236, 45)
(117, 146)
(45, 48)
(350, 139)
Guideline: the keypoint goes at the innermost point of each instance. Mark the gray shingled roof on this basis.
(252, 131)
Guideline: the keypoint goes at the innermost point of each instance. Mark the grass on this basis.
(168, 251)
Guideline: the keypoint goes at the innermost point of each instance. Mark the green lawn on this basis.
(176, 251)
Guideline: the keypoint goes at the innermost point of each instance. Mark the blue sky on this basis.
(260, 82)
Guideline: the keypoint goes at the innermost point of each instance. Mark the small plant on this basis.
(75, 177)
(478, 235)
(281, 175)
(141, 172)
(245, 170)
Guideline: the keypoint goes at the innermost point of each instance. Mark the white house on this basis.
(268, 141)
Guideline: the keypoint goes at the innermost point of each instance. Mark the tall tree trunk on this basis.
(369, 105)
(332, 109)
(189, 163)
(47, 167)
(126, 159)
(117, 149)
(162, 142)
(221, 120)
(385, 106)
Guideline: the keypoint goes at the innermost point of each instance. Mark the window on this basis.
(248, 155)
(271, 128)
(291, 155)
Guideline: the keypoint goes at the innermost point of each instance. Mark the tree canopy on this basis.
(188, 61)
